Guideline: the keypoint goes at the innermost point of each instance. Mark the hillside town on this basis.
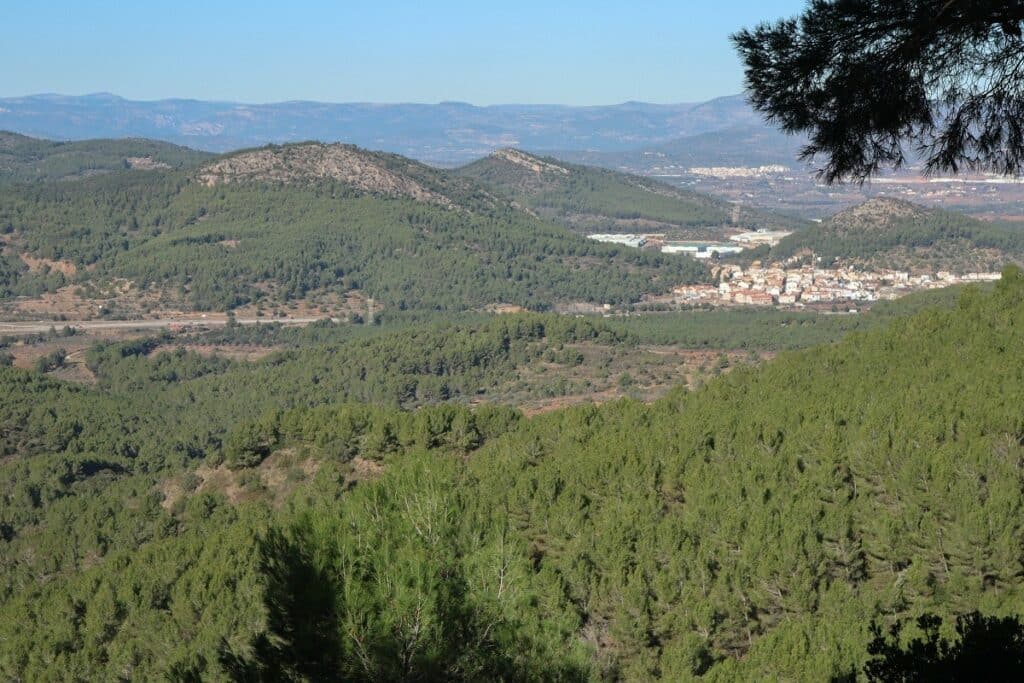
(777, 285)
(783, 284)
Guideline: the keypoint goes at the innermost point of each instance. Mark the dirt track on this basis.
(86, 325)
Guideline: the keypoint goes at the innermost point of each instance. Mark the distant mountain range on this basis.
(749, 145)
(449, 133)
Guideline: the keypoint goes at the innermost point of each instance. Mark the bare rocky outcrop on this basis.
(299, 163)
(145, 164)
(528, 161)
(541, 166)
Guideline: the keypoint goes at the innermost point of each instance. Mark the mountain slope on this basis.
(594, 199)
(893, 233)
(751, 530)
(25, 159)
(279, 223)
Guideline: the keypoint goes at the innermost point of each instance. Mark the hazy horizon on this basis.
(266, 103)
(573, 54)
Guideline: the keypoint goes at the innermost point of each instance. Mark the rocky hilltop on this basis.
(528, 161)
(878, 213)
(301, 163)
(892, 233)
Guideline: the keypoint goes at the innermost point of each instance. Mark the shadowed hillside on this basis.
(595, 200)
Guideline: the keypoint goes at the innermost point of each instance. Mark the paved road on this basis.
(38, 326)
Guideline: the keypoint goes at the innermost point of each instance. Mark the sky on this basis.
(483, 52)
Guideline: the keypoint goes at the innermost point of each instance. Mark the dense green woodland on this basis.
(724, 329)
(26, 159)
(752, 529)
(232, 244)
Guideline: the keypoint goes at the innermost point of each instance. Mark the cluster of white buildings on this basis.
(701, 250)
(625, 239)
(738, 171)
(781, 284)
(695, 248)
(777, 285)
(756, 238)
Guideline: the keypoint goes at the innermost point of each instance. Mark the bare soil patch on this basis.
(272, 480)
(145, 164)
(246, 352)
(42, 264)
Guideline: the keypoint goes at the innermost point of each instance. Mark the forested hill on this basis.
(280, 223)
(592, 199)
(362, 170)
(751, 530)
(894, 233)
(26, 159)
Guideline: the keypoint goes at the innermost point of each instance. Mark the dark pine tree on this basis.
(874, 83)
(986, 649)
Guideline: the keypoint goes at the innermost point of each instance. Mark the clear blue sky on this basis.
(484, 52)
